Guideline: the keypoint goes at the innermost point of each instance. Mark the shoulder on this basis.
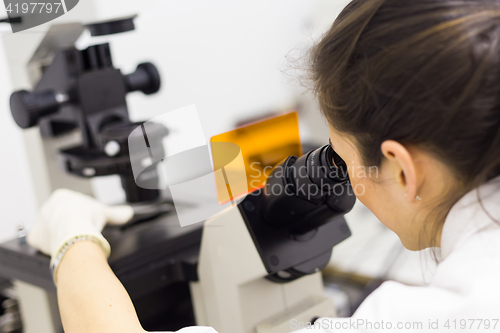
(474, 264)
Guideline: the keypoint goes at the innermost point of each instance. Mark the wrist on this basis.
(80, 260)
(57, 258)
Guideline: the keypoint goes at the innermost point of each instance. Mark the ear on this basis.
(403, 166)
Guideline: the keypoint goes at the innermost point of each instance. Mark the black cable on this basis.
(14, 20)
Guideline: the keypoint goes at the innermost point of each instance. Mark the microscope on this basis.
(253, 268)
(260, 263)
(77, 127)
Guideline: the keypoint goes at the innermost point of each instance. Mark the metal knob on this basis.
(28, 107)
(146, 78)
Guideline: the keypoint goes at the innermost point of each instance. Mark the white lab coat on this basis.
(463, 295)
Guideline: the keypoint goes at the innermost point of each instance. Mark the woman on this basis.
(411, 87)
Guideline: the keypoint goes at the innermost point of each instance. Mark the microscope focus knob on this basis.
(28, 107)
(146, 78)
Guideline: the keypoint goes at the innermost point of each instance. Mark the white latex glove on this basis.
(68, 214)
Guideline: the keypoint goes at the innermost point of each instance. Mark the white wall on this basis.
(17, 201)
(223, 56)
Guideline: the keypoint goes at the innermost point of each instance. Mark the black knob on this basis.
(28, 107)
(112, 27)
(146, 78)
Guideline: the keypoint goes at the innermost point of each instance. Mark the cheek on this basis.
(362, 187)
(361, 183)
(369, 192)
(375, 196)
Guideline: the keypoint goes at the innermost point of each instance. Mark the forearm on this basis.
(91, 298)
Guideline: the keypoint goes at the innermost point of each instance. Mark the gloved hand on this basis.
(69, 214)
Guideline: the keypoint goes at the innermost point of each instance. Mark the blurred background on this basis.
(235, 61)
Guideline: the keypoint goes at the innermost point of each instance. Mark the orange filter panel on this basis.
(262, 145)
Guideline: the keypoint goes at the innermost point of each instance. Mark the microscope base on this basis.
(298, 316)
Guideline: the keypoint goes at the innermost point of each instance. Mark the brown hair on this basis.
(421, 72)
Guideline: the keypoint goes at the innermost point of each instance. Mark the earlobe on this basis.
(403, 165)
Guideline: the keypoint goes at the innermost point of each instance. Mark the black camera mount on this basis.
(298, 217)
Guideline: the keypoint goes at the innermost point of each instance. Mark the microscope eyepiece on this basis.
(325, 167)
(315, 174)
(304, 193)
(297, 218)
